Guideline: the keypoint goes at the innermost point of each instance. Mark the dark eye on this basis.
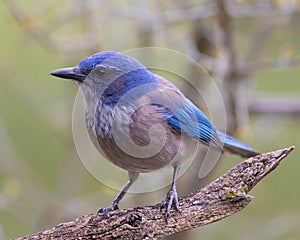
(100, 70)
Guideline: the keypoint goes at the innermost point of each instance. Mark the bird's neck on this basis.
(129, 87)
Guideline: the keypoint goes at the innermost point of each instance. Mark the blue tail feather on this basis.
(235, 146)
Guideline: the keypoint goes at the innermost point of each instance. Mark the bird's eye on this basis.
(100, 70)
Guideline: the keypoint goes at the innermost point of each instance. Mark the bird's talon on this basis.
(105, 210)
(162, 204)
(171, 199)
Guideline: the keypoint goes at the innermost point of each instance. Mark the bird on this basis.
(140, 121)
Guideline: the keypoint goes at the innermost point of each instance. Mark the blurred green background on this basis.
(42, 180)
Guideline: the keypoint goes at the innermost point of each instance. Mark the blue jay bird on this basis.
(140, 121)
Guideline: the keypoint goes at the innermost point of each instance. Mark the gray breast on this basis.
(132, 138)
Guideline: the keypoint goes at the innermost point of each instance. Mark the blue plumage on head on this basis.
(117, 60)
(87, 64)
(125, 73)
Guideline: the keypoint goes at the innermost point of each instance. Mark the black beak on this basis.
(72, 73)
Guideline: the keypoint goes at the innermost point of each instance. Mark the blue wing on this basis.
(182, 115)
(190, 120)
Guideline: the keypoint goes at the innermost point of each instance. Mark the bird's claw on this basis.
(107, 209)
(171, 199)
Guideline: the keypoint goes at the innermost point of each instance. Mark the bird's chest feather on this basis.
(134, 138)
(102, 119)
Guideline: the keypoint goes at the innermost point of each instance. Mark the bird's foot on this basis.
(105, 210)
(171, 199)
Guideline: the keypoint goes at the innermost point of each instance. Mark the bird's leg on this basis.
(133, 176)
(172, 197)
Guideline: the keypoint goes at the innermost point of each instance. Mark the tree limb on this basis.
(277, 104)
(222, 198)
(256, 66)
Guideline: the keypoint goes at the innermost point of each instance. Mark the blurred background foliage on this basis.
(251, 48)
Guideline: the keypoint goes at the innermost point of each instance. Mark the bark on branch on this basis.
(222, 198)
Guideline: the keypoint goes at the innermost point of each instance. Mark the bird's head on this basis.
(107, 73)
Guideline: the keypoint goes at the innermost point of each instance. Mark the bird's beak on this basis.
(73, 73)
